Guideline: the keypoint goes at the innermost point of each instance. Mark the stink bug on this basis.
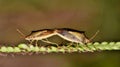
(65, 33)
(39, 35)
(74, 35)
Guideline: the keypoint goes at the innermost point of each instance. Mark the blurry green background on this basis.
(87, 15)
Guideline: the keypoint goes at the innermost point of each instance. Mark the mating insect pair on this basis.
(71, 35)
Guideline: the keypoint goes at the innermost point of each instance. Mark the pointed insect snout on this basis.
(28, 38)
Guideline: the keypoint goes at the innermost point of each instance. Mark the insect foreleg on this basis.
(36, 42)
(31, 41)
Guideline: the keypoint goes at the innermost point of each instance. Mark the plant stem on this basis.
(89, 47)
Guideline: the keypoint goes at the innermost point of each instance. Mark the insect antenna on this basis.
(23, 35)
(94, 35)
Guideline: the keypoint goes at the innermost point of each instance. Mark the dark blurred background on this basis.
(86, 15)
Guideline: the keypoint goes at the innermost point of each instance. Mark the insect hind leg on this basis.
(71, 43)
(49, 42)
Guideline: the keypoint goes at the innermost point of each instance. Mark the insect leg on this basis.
(77, 44)
(31, 41)
(70, 44)
(36, 43)
(46, 41)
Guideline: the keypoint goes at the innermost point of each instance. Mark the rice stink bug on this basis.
(65, 33)
(39, 35)
(74, 35)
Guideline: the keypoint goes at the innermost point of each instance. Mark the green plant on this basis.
(89, 47)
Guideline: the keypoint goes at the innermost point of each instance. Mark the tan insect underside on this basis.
(71, 40)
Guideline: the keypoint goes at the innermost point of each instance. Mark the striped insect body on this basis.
(73, 35)
(65, 33)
